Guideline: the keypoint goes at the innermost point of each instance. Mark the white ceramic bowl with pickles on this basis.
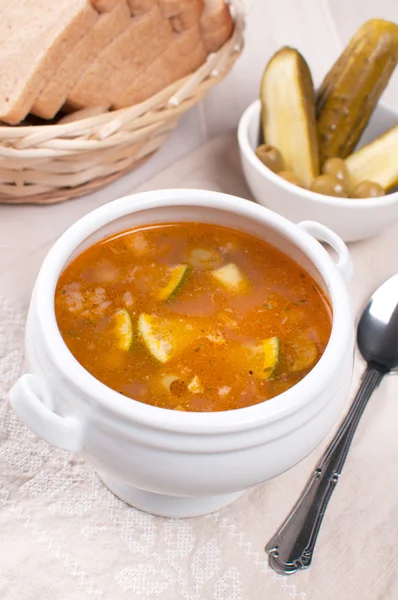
(351, 219)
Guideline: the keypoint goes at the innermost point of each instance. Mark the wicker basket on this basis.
(44, 164)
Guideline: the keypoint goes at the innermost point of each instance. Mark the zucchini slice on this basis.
(176, 278)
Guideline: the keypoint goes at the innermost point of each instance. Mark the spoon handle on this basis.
(292, 546)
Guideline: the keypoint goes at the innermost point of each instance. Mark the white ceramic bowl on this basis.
(351, 219)
(169, 462)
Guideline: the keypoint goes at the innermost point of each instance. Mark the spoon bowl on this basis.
(377, 333)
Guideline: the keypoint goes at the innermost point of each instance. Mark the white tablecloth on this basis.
(64, 536)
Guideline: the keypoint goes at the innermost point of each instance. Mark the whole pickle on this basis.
(288, 113)
(352, 88)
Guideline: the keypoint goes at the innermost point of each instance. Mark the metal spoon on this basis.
(292, 547)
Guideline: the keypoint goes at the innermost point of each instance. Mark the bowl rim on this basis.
(311, 386)
(253, 112)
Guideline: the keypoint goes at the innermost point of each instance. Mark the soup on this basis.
(192, 316)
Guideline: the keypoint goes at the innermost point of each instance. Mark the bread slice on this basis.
(188, 51)
(104, 5)
(172, 8)
(216, 25)
(182, 57)
(140, 7)
(130, 53)
(109, 26)
(183, 14)
(36, 35)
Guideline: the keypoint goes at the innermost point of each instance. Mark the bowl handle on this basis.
(324, 234)
(32, 402)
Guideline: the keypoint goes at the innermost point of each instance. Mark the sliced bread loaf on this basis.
(108, 27)
(147, 37)
(182, 57)
(216, 25)
(36, 36)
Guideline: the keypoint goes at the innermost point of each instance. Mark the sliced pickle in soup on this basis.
(232, 279)
(304, 356)
(266, 357)
(123, 329)
(176, 278)
(203, 259)
(164, 337)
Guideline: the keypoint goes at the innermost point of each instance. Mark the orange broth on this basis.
(160, 315)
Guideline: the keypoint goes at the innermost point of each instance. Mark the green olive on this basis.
(290, 177)
(270, 157)
(328, 185)
(337, 168)
(368, 189)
